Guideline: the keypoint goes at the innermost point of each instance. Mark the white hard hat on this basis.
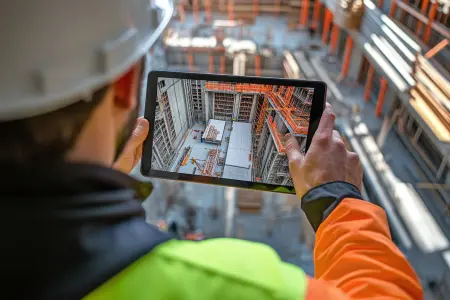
(55, 52)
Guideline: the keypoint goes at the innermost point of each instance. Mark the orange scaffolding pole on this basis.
(195, 8)
(257, 65)
(208, 10)
(316, 14)
(393, 9)
(191, 61)
(211, 63)
(326, 25)
(423, 9)
(304, 10)
(347, 56)
(222, 64)
(276, 134)
(277, 6)
(381, 97)
(432, 52)
(334, 39)
(230, 10)
(369, 80)
(255, 7)
(431, 17)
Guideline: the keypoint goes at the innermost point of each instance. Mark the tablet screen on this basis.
(227, 129)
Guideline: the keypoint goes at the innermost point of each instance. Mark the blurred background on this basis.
(386, 64)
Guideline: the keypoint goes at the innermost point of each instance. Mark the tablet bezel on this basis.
(317, 107)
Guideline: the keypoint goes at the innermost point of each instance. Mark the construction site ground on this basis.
(200, 150)
(425, 226)
(401, 168)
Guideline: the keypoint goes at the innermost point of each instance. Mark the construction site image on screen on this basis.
(227, 129)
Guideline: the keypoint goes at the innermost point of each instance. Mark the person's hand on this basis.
(327, 159)
(133, 150)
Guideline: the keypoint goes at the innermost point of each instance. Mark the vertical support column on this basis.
(255, 7)
(195, 8)
(316, 14)
(393, 9)
(222, 64)
(257, 65)
(347, 57)
(423, 9)
(326, 25)
(277, 7)
(403, 13)
(208, 10)
(304, 9)
(380, 4)
(191, 61)
(211, 63)
(181, 11)
(369, 81)
(381, 97)
(431, 17)
(230, 10)
(334, 39)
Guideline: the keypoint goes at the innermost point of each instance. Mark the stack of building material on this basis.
(212, 133)
(431, 98)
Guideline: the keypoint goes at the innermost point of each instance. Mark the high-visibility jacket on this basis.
(88, 241)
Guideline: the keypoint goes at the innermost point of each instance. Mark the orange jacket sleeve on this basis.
(354, 256)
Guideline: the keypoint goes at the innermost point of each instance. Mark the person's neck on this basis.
(96, 142)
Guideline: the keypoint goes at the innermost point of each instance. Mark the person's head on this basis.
(70, 81)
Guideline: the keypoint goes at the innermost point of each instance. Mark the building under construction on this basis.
(229, 130)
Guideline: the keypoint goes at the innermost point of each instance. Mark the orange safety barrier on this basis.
(216, 86)
(253, 88)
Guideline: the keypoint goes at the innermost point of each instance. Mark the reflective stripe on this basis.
(212, 269)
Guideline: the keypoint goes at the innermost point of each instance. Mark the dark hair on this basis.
(48, 137)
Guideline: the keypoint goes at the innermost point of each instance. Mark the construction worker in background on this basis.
(72, 226)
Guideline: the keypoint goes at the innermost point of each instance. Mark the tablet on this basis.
(227, 130)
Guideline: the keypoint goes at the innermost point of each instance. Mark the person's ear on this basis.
(126, 88)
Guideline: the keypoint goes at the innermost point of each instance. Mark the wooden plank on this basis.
(434, 105)
(429, 117)
(431, 72)
(435, 91)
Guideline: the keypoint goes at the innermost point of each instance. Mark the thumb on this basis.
(140, 132)
(292, 149)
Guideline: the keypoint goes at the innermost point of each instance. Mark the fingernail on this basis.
(142, 123)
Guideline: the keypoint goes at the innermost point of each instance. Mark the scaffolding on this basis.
(223, 106)
(276, 136)
(167, 114)
(245, 107)
(211, 162)
(295, 113)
